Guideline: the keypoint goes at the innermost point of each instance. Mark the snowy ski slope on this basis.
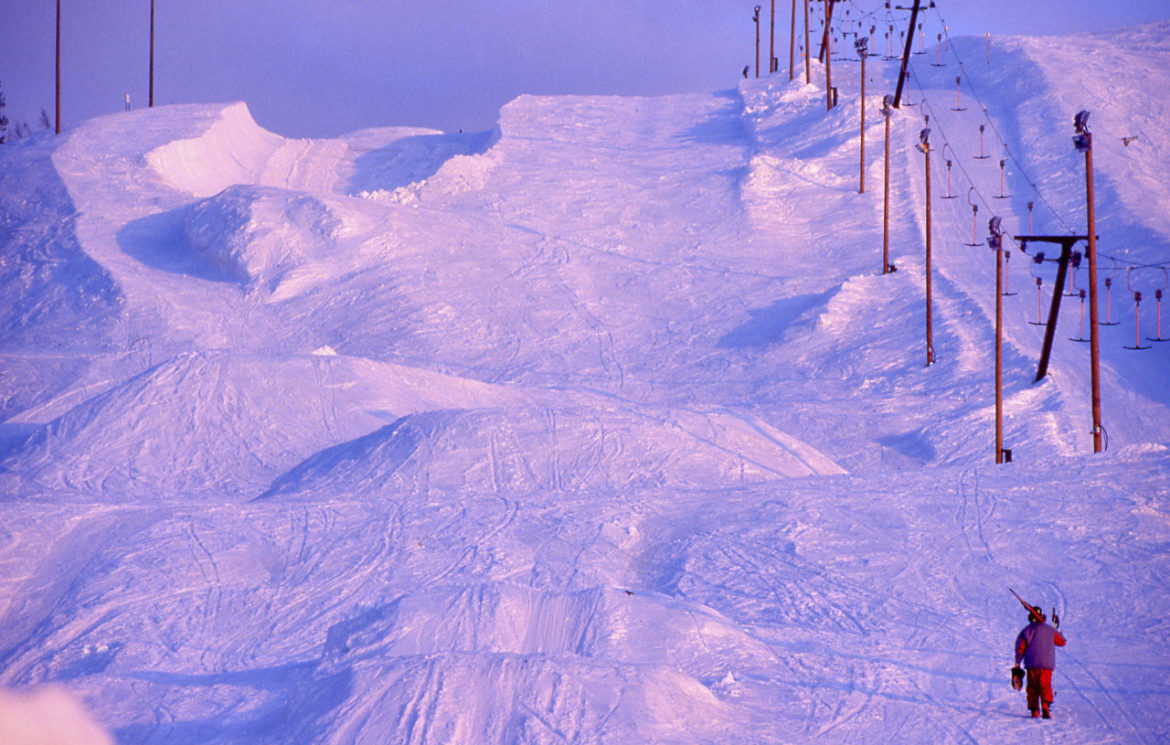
(603, 427)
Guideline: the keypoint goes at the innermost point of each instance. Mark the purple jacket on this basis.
(1036, 646)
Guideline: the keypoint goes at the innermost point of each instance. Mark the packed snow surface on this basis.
(603, 427)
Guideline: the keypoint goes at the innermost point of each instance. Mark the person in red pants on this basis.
(1036, 647)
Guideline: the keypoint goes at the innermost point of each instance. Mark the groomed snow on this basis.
(602, 427)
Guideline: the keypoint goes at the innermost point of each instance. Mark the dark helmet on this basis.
(1036, 614)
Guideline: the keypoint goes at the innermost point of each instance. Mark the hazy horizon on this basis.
(311, 70)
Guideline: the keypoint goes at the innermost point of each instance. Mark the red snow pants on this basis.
(1039, 688)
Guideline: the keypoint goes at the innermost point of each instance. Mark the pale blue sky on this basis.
(324, 67)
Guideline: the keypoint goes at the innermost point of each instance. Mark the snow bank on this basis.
(47, 716)
(232, 150)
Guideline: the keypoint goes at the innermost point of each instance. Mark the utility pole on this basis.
(924, 146)
(792, 46)
(995, 241)
(887, 112)
(58, 68)
(150, 102)
(1083, 141)
(862, 45)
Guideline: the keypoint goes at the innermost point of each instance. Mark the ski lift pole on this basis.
(772, 41)
(1083, 141)
(827, 54)
(807, 54)
(924, 146)
(150, 102)
(756, 20)
(995, 242)
(862, 45)
(792, 45)
(887, 113)
(58, 68)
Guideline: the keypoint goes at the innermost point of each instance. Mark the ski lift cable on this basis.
(926, 104)
(974, 92)
(936, 124)
(912, 73)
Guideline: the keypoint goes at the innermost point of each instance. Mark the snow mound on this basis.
(278, 241)
(198, 422)
(478, 451)
(426, 700)
(458, 174)
(650, 657)
(638, 628)
(398, 168)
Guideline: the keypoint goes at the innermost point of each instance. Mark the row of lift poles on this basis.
(774, 63)
(57, 71)
(1082, 140)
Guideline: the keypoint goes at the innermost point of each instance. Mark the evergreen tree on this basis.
(3, 119)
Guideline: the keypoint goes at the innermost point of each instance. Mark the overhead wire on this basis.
(999, 136)
(893, 23)
(926, 104)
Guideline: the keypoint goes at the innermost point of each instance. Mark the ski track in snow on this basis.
(601, 427)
